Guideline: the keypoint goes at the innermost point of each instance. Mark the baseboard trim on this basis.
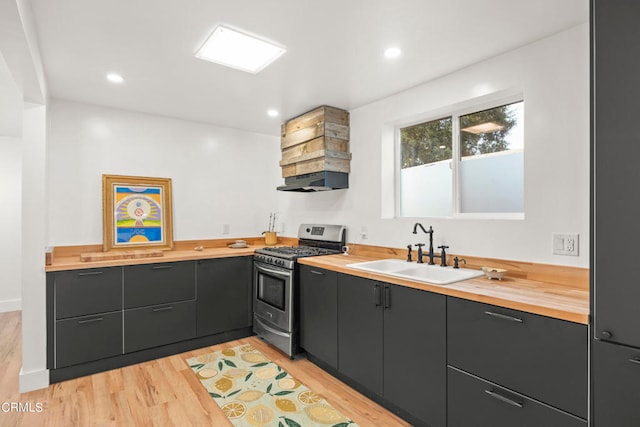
(10, 305)
(33, 380)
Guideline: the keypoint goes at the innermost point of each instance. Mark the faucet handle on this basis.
(419, 245)
(443, 255)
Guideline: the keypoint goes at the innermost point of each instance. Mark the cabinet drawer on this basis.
(475, 402)
(535, 355)
(616, 385)
(152, 284)
(83, 339)
(81, 292)
(158, 325)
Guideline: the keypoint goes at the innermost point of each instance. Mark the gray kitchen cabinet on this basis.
(615, 176)
(360, 330)
(392, 342)
(85, 316)
(224, 295)
(104, 318)
(616, 150)
(415, 377)
(319, 314)
(153, 326)
(476, 402)
(151, 284)
(616, 374)
(540, 357)
(88, 338)
(90, 291)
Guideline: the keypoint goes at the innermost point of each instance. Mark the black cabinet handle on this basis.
(319, 273)
(96, 319)
(636, 361)
(91, 273)
(504, 316)
(387, 297)
(377, 296)
(155, 310)
(606, 335)
(161, 267)
(504, 399)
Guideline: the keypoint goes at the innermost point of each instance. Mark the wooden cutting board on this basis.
(105, 256)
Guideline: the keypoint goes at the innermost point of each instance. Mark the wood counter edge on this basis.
(577, 314)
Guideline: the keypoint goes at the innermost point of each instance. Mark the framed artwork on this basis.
(136, 212)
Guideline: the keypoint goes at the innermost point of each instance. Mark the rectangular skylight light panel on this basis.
(235, 49)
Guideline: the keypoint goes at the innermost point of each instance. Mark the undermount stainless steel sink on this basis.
(413, 271)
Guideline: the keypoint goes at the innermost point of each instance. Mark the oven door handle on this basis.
(268, 329)
(283, 274)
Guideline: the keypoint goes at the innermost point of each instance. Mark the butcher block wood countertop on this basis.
(554, 291)
(561, 301)
(69, 257)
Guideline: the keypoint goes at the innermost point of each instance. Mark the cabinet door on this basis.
(150, 284)
(478, 403)
(541, 357)
(88, 338)
(158, 325)
(616, 385)
(90, 291)
(319, 313)
(415, 352)
(617, 148)
(224, 295)
(360, 330)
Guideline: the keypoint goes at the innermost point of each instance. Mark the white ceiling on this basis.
(334, 50)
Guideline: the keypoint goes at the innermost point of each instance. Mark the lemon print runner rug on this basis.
(253, 391)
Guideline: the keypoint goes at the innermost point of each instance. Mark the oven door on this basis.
(273, 295)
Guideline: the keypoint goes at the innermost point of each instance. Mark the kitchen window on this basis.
(469, 163)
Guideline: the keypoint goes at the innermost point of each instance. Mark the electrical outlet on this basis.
(565, 244)
(363, 232)
(226, 228)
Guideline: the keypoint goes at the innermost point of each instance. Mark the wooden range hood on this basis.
(315, 151)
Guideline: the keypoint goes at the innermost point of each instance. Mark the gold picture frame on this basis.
(136, 213)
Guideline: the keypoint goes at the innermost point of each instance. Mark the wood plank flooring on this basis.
(161, 392)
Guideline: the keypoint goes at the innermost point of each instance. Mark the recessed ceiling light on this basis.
(115, 78)
(392, 52)
(272, 113)
(239, 50)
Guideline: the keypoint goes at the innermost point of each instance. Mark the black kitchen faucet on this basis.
(430, 233)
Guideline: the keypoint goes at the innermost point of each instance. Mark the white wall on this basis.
(33, 374)
(10, 220)
(553, 75)
(219, 175)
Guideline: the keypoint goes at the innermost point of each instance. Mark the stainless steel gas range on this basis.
(275, 283)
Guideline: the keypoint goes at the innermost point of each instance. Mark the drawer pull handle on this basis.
(377, 295)
(387, 297)
(96, 319)
(91, 273)
(161, 267)
(504, 399)
(162, 309)
(504, 316)
(319, 273)
(636, 361)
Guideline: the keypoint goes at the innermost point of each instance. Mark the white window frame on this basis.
(454, 113)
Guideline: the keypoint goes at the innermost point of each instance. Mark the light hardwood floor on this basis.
(162, 392)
